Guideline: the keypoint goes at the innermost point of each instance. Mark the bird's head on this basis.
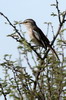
(29, 23)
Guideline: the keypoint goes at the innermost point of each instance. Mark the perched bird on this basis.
(36, 34)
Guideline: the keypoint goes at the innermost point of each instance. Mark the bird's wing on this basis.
(38, 34)
(38, 38)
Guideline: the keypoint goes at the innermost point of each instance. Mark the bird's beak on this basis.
(21, 22)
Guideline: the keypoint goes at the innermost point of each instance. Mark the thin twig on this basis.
(15, 74)
(3, 92)
(58, 12)
(52, 29)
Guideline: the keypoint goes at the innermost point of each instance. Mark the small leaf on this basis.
(63, 30)
(53, 4)
(53, 14)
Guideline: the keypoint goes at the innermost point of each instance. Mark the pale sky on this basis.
(39, 10)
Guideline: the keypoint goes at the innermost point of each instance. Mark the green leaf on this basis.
(53, 4)
(53, 14)
(63, 30)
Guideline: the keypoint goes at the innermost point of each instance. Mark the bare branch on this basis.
(37, 76)
(58, 12)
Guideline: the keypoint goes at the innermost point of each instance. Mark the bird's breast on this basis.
(30, 34)
(32, 38)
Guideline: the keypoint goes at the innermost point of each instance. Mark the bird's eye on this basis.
(25, 21)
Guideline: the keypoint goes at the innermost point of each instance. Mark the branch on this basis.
(3, 92)
(58, 12)
(15, 79)
(37, 75)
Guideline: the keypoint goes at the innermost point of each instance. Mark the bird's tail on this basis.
(50, 47)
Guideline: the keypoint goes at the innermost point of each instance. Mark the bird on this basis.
(37, 36)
